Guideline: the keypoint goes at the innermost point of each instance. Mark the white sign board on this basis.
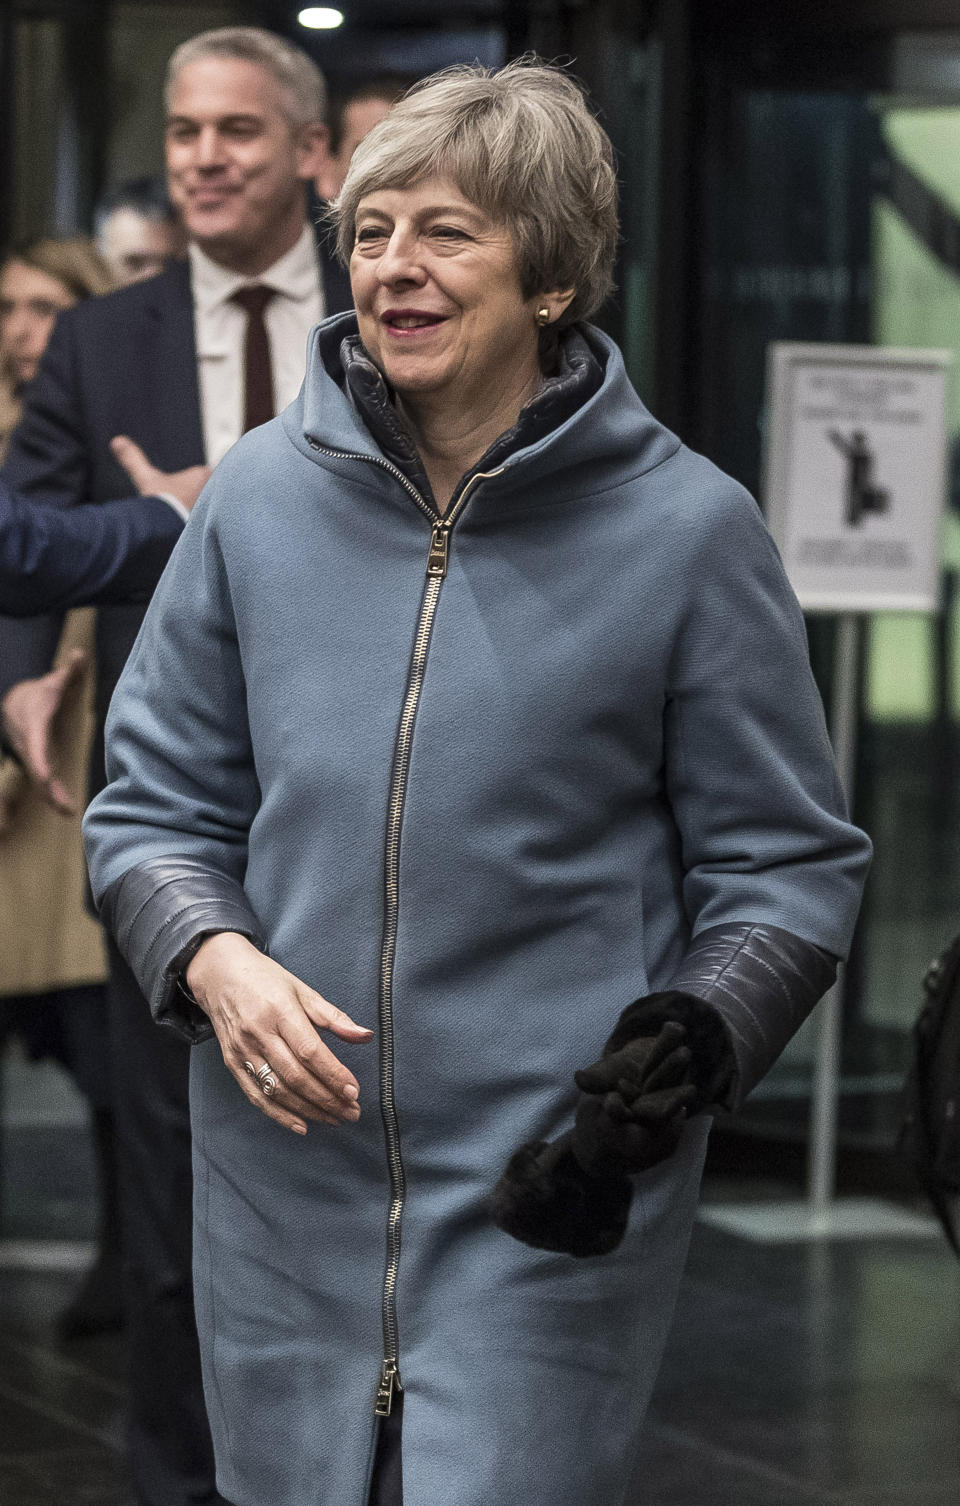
(855, 474)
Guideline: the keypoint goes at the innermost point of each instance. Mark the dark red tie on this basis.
(258, 403)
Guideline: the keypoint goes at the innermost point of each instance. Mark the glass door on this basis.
(833, 214)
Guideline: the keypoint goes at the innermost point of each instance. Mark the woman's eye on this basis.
(370, 233)
(449, 233)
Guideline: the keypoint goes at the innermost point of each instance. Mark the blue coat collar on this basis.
(608, 437)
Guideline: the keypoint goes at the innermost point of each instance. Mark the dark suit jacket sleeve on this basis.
(47, 462)
(53, 558)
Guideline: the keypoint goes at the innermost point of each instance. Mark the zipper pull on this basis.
(389, 1381)
(439, 550)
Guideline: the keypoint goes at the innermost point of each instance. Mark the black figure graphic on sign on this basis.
(863, 495)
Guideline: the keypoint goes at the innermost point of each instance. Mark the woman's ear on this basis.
(556, 302)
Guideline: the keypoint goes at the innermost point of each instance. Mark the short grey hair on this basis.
(522, 144)
(301, 83)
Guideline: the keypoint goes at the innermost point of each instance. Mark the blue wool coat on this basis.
(595, 736)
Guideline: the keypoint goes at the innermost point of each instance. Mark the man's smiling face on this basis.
(236, 164)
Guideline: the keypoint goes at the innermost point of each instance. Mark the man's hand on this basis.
(186, 485)
(28, 712)
(265, 1016)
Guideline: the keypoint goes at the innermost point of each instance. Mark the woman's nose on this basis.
(400, 262)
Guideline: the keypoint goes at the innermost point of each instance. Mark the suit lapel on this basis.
(334, 278)
(337, 293)
(177, 418)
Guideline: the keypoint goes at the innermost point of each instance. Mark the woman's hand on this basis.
(264, 1015)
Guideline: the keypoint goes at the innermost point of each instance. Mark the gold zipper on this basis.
(437, 562)
(439, 556)
(389, 1376)
(389, 1379)
(438, 559)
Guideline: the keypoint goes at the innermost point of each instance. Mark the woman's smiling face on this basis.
(438, 296)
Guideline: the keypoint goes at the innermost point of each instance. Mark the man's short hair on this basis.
(302, 85)
(386, 86)
(146, 196)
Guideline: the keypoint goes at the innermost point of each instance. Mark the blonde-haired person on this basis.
(49, 944)
(38, 280)
(546, 769)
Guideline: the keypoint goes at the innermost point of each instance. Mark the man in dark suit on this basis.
(100, 553)
(89, 556)
(182, 364)
(52, 558)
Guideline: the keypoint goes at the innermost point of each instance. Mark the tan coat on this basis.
(47, 940)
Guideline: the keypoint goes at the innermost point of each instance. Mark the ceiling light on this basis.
(320, 18)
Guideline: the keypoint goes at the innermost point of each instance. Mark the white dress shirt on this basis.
(220, 328)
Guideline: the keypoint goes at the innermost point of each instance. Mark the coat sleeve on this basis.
(47, 462)
(53, 558)
(167, 839)
(772, 867)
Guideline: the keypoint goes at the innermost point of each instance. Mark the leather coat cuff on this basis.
(159, 912)
(762, 982)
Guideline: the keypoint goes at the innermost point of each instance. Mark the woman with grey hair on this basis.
(491, 721)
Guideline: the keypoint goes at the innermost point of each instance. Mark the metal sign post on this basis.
(825, 1097)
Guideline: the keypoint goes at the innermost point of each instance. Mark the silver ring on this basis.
(266, 1077)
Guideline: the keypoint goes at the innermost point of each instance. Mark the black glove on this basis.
(636, 1100)
(573, 1194)
(545, 1199)
(712, 1064)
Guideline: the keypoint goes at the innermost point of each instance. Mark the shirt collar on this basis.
(295, 275)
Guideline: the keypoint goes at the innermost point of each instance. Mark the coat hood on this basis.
(611, 437)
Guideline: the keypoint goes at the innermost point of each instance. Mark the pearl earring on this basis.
(543, 315)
